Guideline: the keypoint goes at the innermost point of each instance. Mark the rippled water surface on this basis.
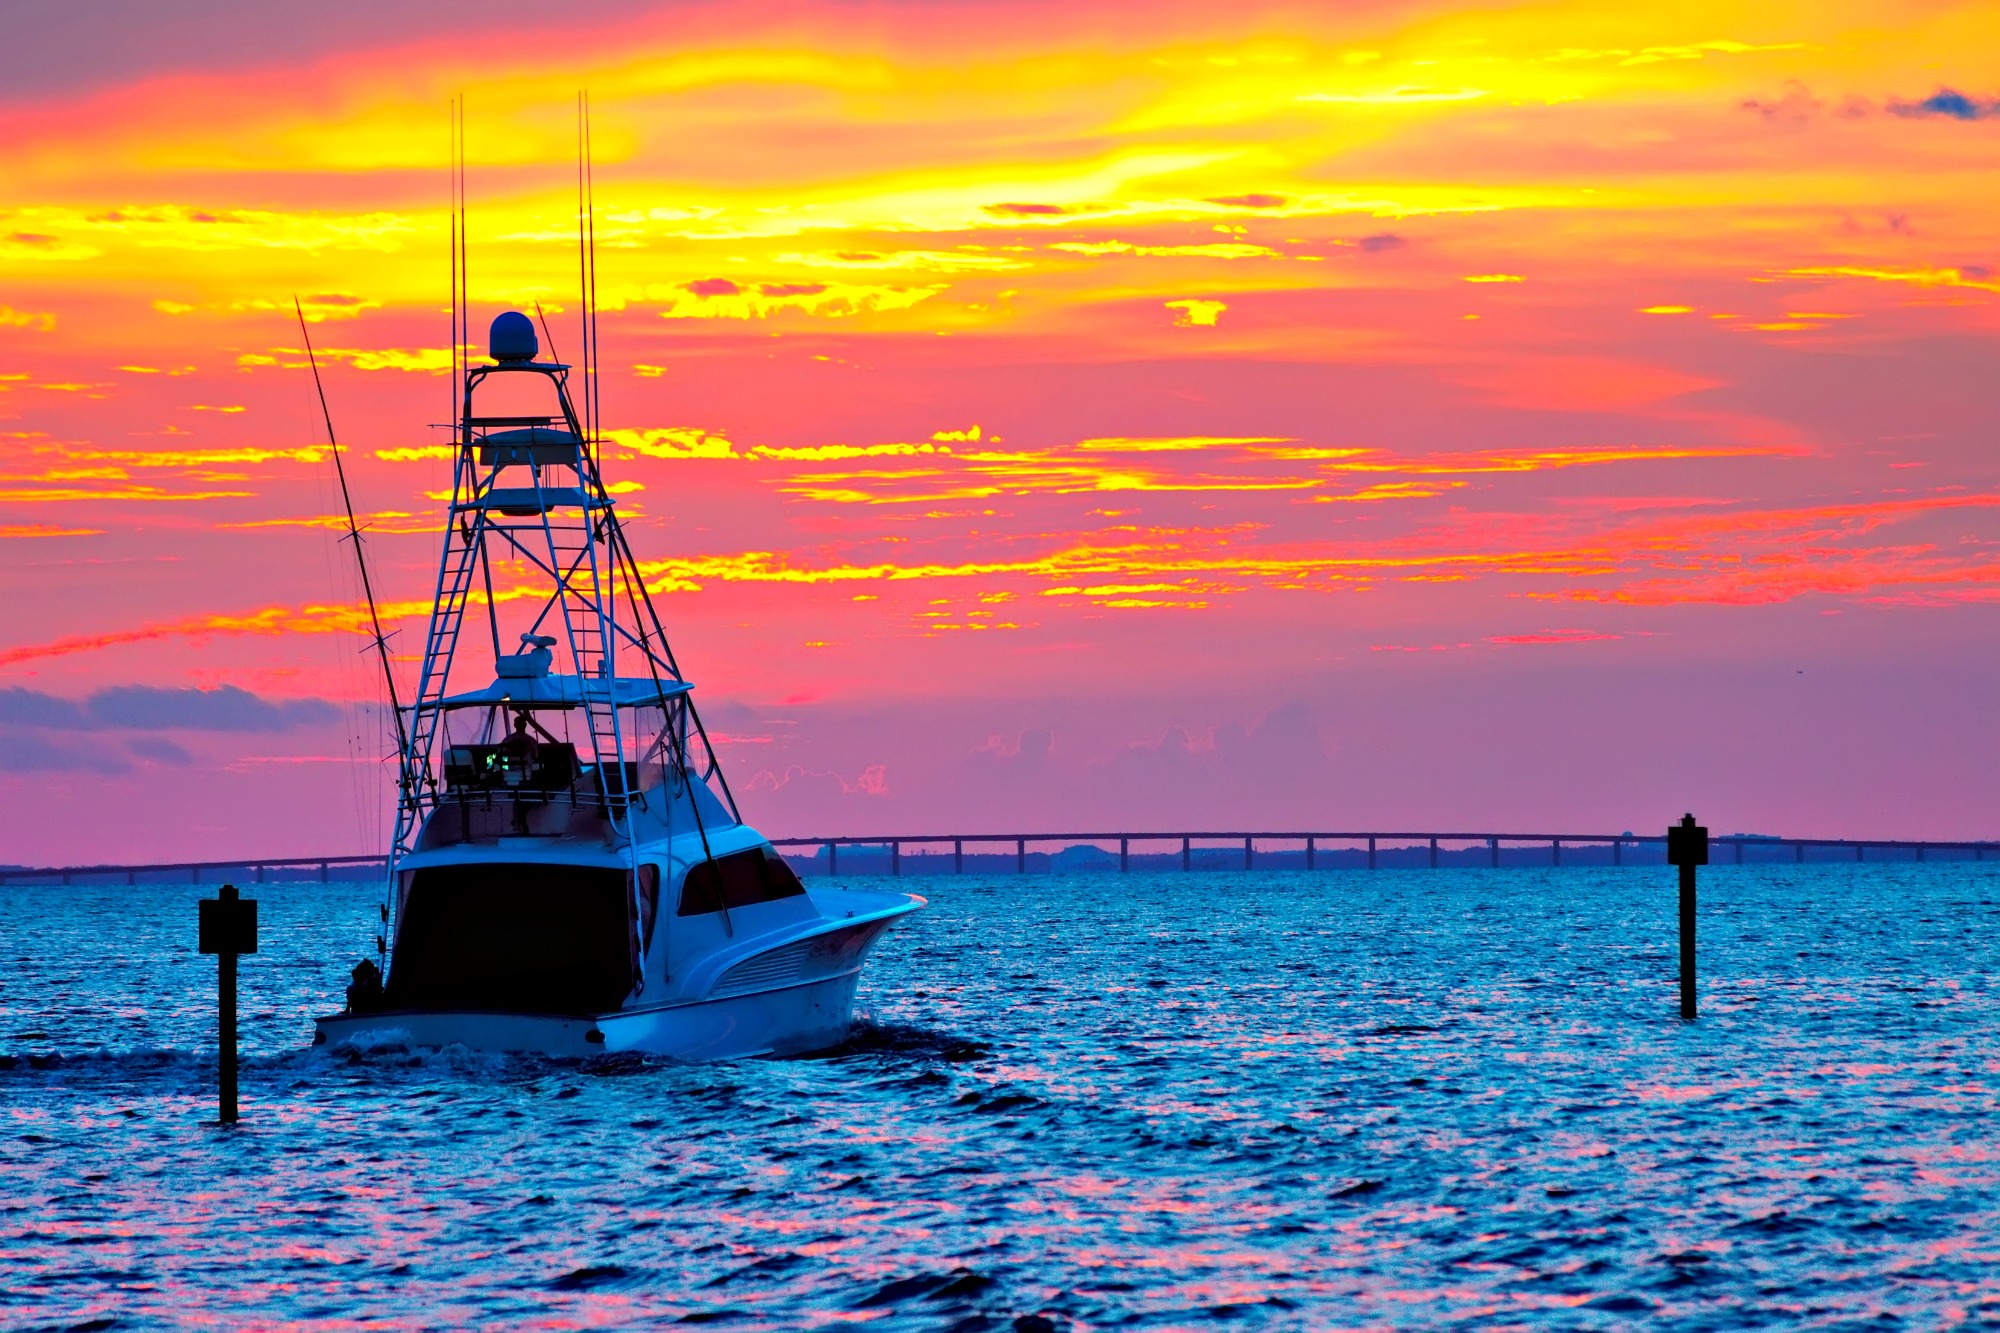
(1440, 1099)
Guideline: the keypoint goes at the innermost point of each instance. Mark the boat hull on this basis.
(791, 1020)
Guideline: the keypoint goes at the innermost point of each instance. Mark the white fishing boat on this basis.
(570, 873)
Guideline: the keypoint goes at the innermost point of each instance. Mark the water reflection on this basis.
(1445, 1099)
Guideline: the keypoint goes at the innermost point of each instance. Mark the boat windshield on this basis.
(758, 875)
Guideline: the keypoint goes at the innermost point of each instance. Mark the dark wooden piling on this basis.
(227, 927)
(1687, 847)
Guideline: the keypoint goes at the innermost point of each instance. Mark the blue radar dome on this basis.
(513, 338)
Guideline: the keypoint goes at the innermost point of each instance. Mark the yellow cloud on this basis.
(822, 452)
(1405, 96)
(1173, 443)
(184, 227)
(45, 530)
(425, 360)
(194, 458)
(723, 298)
(671, 442)
(1228, 250)
(1194, 312)
(25, 319)
(1921, 277)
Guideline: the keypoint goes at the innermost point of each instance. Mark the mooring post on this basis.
(1687, 847)
(1371, 851)
(1249, 855)
(832, 858)
(1434, 853)
(1124, 854)
(1799, 853)
(1493, 851)
(1859, 848)
(1187, 853)
(1309, 851)
(895, 858)
(1555, 851)
(226, 926)
(958, 856)
(1618, 851)
(322, 872)
(1020, 856)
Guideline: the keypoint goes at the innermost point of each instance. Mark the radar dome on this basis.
(513, 338)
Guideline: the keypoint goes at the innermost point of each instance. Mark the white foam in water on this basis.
(374, 1042)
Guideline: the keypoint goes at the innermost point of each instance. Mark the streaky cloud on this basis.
(153, 708)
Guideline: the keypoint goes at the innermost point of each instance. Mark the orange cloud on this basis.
(46, 530)
(1920, 277)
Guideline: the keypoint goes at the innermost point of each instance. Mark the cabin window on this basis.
(524, 939)
(649, 902)
(740, 879)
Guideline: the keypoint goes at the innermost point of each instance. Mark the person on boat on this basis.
(365, 996)
(520, 748)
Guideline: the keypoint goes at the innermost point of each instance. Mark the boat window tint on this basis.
(534, 939)
(740, 879)
(781, 880)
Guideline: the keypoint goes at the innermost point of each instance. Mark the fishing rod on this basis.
(354, 534)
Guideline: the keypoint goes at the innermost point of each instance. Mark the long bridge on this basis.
(1066, 852)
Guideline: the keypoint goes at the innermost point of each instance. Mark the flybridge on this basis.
(527, 491)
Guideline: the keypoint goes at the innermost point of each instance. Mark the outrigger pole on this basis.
(354, 535)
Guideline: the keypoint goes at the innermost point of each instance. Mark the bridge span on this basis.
(1126, 851)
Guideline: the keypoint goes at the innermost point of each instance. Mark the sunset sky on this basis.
(1038, 416)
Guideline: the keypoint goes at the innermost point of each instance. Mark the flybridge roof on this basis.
(562, 692)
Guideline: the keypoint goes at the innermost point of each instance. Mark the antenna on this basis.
(582, 273)
(547, 337)
(354, 534)
(586, 269)
(451, 238)
(461, 313)
(593, 379)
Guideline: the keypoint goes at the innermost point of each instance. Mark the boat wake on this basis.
(904, 1041)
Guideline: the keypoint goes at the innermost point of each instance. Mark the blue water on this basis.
(1448, 1099)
